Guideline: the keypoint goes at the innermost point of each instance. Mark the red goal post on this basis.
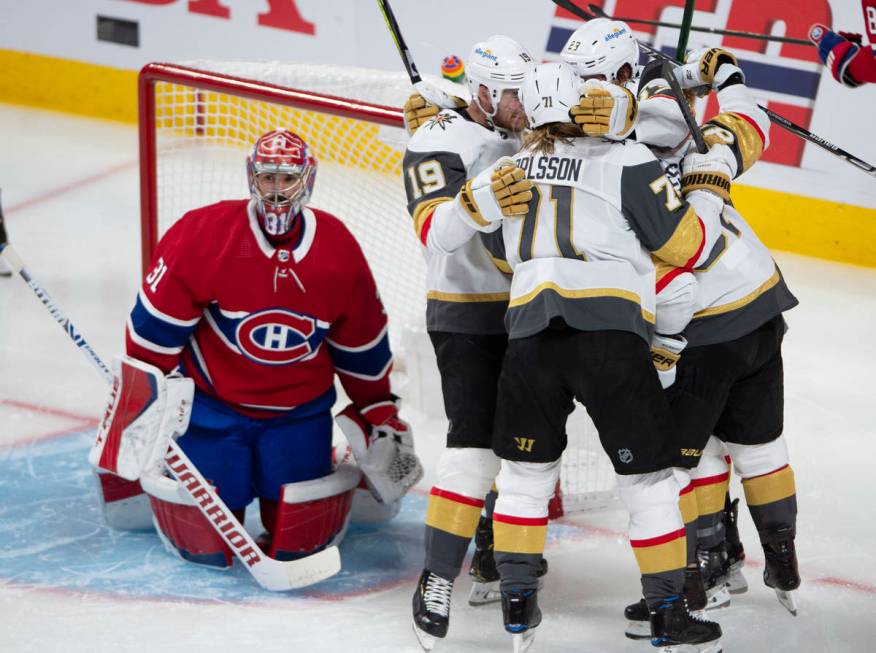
(198, 122)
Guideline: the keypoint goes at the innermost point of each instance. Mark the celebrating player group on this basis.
(579, 247)
(570, 197)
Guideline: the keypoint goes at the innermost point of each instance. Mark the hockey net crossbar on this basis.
(198, 122)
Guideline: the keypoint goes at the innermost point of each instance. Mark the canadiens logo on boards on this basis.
(276, 336)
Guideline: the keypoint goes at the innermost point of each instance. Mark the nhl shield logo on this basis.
(283, 255)
(625, 456)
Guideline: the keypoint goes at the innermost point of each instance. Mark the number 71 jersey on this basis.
(603, 220)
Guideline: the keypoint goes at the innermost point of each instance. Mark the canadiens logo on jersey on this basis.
(278, 336)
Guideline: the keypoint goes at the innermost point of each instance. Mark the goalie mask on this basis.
(499, 63)
(602, 47)
(281, 173)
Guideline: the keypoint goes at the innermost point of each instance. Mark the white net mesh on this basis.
(203, 138)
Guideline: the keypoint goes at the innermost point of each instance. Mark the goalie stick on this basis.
(431, 94)
(271, 574)
(774, 117)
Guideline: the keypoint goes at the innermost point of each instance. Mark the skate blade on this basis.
(788, 601)
(638, 630)
(427, 641)
(710, 647)
(483, 593)
(736, 583)
(717, 597)
(522, 641)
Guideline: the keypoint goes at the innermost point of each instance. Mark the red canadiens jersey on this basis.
(261, 327)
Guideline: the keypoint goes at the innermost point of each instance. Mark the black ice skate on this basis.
(780, 569)
(483, 572)
(431, 606)
(676, 630)
(736, 583)
(521, 615)
(714, 568)
(638, 618)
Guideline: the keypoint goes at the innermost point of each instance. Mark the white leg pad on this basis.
(758, 459)
(652, 501)
(467, 471)
(526, 488)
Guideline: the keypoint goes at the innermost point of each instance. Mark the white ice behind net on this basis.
(203, 140)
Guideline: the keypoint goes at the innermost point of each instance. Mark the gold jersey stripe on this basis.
(516, 538)
(770, 488)
(452, 517)
(685, 241)
(501, 264)
(748, 141)
(710, 498)
(742, 301)
(468, 297)
(662, 557)
(582, 293)
(687, 503)
(423, 210)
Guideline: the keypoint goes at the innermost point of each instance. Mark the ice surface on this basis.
(69, 584)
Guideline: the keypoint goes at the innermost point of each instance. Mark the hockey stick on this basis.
(776, 118)
(17, 265)
(710, 30)
(684, 30)
(680, 100)
(432, 94)
(271, 574)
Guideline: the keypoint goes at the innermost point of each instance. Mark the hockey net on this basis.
(198, 122)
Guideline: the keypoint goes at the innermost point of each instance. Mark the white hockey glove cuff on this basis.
(425, 103)
(710, 172)
(605, 110)
(500, 191)
(146, 409)
(383, 447)
(702, 67)
(665, 352)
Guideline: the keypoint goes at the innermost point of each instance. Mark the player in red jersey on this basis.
(262, 302)
(850, 61)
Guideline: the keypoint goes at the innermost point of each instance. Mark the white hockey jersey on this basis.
(467, 290)
(739, 286)
(602, 212)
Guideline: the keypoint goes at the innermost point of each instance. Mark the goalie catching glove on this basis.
(146, 409)
(500, 191)
(605, 110)
(383, 446)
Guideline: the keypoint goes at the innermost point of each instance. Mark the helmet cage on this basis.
(280, 153)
